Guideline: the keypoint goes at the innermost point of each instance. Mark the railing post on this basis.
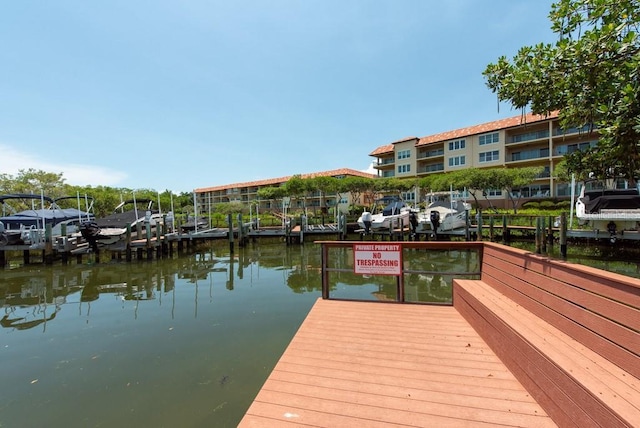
(325, 274)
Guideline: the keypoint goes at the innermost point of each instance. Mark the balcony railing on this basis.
(529, 136)
(431, 154)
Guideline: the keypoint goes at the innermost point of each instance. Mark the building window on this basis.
(408, 196)
(494, 137)
(404, 154)
(457, 161)
(489, 156)
(404, 168)
(456, 145)
(570, 148)
(493, 193)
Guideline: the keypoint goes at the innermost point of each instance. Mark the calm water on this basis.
(185, 342)
(182, 342)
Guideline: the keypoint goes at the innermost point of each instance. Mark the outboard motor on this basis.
(366, 220)
(434, 217)
(413, 221)
(4, 239)
(611, 228)
(90, 231)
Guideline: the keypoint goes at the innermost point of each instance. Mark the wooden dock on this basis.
(371, 364)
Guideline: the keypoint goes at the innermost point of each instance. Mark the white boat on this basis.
(396, 212)
(111, 231)
(443, 214)
(613, 210)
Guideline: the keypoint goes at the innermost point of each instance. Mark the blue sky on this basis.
(179, 95)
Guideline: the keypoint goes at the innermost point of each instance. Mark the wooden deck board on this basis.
(370, 364)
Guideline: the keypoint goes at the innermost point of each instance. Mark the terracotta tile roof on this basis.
(509, 122)
(496, 125)
(388, 148)
(382, 150)
(280, 180)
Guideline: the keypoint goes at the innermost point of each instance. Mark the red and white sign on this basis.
(377, 259)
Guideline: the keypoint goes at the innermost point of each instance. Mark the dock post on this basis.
(550, 232)
(563, 235)
(467, 234)
(159, 241)
(491, 231)
(543, 234)
(505, 230)
(230, 222)
(479, 236)
(303, 223)
(128, 243)
(65, 252)
(147, 227)
(538, 235)
(240, 231)
(3, 259)
(48, 245)
(344, 226)
(287, 232)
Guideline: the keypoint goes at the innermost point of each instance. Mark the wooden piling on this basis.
(563, 235)
(230, 222)
(48, 245)
(538, 236)
(128, 244)
(506, 237)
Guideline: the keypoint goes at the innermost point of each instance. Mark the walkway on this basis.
(369, 364)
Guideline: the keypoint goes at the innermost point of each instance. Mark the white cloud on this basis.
(371, 169)
(13, 160)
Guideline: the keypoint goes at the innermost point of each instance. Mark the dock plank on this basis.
(369, 364)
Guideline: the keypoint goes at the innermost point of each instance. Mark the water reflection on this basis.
(186, 341)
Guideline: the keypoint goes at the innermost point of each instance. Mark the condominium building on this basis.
(519, 141)
(247, 192)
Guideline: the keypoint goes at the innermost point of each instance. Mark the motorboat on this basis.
(27, 227)
(443, 214)
(613, 210)
(111, 231)
(392, 215)
(194, 225)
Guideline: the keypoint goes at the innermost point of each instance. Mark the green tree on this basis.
(325, 185)
(359, 186)
(590, 76)
(512, 179)
(34, 181)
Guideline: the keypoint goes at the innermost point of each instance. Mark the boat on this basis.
(610, 209)
(392, 215)
(443, 213)
(194, 225)
(27, 227)
(111, 231)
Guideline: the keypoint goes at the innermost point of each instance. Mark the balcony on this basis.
(542, 134)
(526, 155)
(386, 161)
(431, 154)
(431, 168)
